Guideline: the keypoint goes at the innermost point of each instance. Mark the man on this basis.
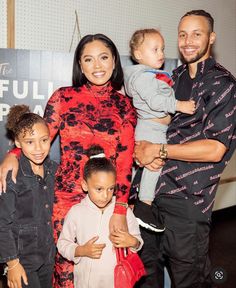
(199, 147)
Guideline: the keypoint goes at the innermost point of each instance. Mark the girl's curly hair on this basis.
(21, 120)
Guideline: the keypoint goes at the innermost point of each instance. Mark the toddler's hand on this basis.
(187, 107)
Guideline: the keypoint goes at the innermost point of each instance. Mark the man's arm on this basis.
(206, 150)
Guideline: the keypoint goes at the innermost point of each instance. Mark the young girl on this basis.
(154, 99)
(26, 236)
(85, 234)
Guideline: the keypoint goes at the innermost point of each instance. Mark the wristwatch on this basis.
(163, 154)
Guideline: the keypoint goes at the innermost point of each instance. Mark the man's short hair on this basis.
(204, 14)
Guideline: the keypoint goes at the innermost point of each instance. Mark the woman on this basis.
(92, 111)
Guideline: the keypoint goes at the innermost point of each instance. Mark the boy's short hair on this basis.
(138, 38)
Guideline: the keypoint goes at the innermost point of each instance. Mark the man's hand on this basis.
(122, 239)
(145, 152)
(118, 222)
(156, 165)
(16, 274)
(10, 162)
(90, 249)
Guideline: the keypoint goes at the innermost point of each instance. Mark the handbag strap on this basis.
(129, 252)
(120, 254)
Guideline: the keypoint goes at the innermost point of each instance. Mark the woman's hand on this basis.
(16, 274)
(122, 239)
(10, 162)
(118, 222)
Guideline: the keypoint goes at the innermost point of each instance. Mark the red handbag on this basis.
(129, 268)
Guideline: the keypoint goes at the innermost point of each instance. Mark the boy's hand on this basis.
(15, 275)
(187, 107)
(90, 249)
(122, 239)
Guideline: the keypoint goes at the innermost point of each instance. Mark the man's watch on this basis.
(163, 154)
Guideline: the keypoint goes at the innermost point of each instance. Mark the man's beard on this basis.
(197, 57)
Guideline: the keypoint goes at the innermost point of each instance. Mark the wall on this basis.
(3, 24)
(49, 25)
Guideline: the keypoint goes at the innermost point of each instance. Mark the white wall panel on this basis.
(45, 24)
(49, 24)
(3, 23)
(226, 195)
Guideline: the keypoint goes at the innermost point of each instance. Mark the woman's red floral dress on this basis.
(85, 116)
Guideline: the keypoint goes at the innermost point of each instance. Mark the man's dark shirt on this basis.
(25, 216)
(185, 84)
(214, 91)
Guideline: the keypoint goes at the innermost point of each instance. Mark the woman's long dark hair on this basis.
(78, 78)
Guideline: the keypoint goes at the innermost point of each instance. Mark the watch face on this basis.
(163, 152)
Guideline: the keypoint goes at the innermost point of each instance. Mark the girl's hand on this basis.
(90, 249)
(10, 162)
(15, 273)
(118, 222)
(122, 239)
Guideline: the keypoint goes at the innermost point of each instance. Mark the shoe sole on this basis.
(145, 225)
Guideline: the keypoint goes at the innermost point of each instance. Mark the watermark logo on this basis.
(218, 275)
(5, 69)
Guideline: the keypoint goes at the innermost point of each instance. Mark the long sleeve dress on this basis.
(84, 116)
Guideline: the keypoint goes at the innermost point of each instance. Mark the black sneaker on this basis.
(145, 217)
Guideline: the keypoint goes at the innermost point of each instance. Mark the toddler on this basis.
(153, 99)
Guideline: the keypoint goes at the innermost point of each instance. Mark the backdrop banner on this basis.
(30, 77)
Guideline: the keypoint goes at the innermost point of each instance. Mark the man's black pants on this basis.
(182, 247)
